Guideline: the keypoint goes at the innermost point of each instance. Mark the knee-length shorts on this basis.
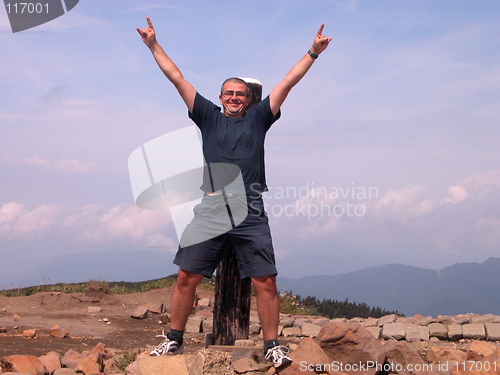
(250, 240)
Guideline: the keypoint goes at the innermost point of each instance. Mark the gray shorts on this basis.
(250, 240)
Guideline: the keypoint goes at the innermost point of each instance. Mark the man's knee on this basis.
(265, 284)
(186, 279)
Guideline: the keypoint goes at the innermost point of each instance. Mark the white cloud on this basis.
(456, 194)
(90, 224)
(62, 165)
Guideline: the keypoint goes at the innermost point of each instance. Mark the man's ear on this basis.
(220, 99)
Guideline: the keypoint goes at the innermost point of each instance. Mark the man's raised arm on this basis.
(280, 92)
(186, 91)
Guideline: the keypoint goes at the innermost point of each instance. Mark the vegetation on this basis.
(120, 287)
(122, 361)
(331, 309)
(289, 304)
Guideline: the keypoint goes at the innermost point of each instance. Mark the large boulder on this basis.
(352, 346)
(23, 363)
(403, 359)
(308, 358)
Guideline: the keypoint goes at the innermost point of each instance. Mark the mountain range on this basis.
(457, 289)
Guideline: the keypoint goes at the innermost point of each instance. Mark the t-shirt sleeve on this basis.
(264, 113)
(203, 110)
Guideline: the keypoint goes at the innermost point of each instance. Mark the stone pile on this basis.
(446, 345)
(99, 360)
(390, 327)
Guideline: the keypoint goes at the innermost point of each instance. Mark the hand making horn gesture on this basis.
(320, 41)
(148, 34)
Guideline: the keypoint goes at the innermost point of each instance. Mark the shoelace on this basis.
(277, 352)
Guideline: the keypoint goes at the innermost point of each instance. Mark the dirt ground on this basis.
(121, 332)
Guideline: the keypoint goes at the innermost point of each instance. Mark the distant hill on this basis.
(110, 265)
(312, 263)
(458, 289)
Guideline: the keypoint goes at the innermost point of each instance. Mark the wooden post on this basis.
(233, 295)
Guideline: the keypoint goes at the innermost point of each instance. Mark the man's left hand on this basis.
(320, 41)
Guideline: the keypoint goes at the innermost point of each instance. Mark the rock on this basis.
(204, 313)
(292, 331)
(24, 363)
(386, 319)
(481, 350)
(424, 321)
(195, 363)
(208, 324)
(59, 332)
(487, 318)
(94, 309)
(163, 365)
(194, 324)
(393, 331)
(416, 333)
(492, 331)
(370, 322)
(109, 366)
(300, 322)
(3, 329)
(65, 371)
(70, 358)
(287, 322)
(254, 329)
(310, 330)
(437, 354)
(51, 361)
(29, 333)
(244, 343)
(352, 343)
(16, 317)
(322, 321)
(375, 331)
(156, 307)
(140, 312)
(203, 304)
(101, 349)
(473, 331)
(438, 330)
(307, 358)
(454, 332)
(90, 364)
(405, 320)
(462, 319)
(244, 365)
(401, 354)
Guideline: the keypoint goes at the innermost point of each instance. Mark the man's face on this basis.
(234, 99)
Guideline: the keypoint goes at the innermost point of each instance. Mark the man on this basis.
(234, 136)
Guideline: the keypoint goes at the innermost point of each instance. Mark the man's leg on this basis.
(268, 305)
(181, 305)
(183, 298)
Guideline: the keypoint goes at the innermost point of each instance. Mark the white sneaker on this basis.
(278, 356)
(167, 347)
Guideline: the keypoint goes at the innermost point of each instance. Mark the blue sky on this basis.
(404, 100)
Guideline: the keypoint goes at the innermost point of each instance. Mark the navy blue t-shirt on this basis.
(239, 141)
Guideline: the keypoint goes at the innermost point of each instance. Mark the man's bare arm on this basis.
(186, 91)
(280, 92)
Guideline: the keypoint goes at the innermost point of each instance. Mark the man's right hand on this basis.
(148, 34)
